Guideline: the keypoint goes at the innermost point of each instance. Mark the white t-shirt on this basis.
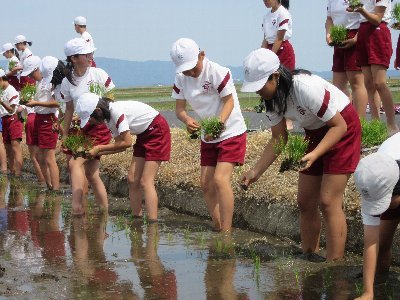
(369, 6)
(70, 92)
(130, 115)
(24, 55)
(44, 94)
(204, 95)
(390, 147)
(312, 102)
(340, 16)
(10, 97)
(88, 38)
(275, 21)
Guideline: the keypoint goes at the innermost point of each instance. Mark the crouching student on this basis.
(153, 143)
(209, 89)
(377, 179)
(46, 107)
(12, 125)
(334, 133)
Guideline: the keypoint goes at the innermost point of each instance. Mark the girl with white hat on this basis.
(9, 52)
(80, 24)
(334, 133)
(153, 143)
(80, 76)
(12, 125)
(22, 44)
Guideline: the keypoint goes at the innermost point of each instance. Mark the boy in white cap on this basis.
(22, 44)
(11, 54)
(80, 24)
(377, 179)
(46, 109)
(152, 146)
(334, 133)
(209, 89)
(12, 125)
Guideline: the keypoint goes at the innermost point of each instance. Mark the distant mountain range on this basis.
(127, 73)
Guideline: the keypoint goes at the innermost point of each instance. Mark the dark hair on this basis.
(104, 105)
(5, 78)
(284, 3)
(59, 73)
(27, 43)
(15, 52)
(68, 70)
(285, 84)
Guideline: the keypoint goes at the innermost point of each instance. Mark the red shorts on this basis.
(12, 128)
(154, 144)
(100, 134)
(29, 127)
(43, 135)
(344, 59)
(345, 155)
(18, 221)
(286, 55)
(24, 80)
(14, 81)
(391, 214)
(230, 150)
(53, 245)
(374, 45)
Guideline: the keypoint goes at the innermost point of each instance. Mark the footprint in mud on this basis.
(45, 276)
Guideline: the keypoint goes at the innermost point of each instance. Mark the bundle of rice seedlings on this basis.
(292, 152)
(212, 126)
(373, 133)
(101, 91)
(396, 16)
(27, 93)
(338, 35)
(78, 144)
(354, 4)
(12, 64)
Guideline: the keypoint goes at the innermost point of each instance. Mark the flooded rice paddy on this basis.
(45, 253)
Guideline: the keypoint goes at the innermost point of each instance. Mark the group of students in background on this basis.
(323, 109)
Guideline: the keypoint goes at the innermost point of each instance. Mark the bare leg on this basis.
(210, 195)
(77, 176)
(339, 79)
(135, 189)
(359, 92)
(3, 156)
(51, 168)
(387, 229)
(92, 172)
(17, 156)
(150, 171)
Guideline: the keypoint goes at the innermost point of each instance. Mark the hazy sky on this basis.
(145, 30)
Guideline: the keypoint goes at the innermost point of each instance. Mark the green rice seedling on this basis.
(338, 35)
(292, 152)
(212, 126)
(396, 16)
(373, 133)
(354, 4)
(359, 288)
(12, 64)
(27, 93)
(257, 263)
(78, 144)
(101, 91)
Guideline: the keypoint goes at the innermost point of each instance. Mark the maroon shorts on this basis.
(29, 128)
(344, 59)
(24, 80)
(345, 155)
(14, 81)
(374, 45)
(43, 135)
(100, 134)
(12, 128)
(391, 214)
(286, 55)
(53, 245)
(154, 144)
(18, 221)
(230, 150)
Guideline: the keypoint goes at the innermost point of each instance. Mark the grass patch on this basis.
(373, 133)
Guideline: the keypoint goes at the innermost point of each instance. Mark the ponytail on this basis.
(284, 3)
(59, 73)
(104, 105)
(68, 71)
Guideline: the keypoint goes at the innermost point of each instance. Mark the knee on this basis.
(380, 85)
(133, 182)
(306, 204)
(206, 185)
(146, 183)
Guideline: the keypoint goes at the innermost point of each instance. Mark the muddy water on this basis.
(47, 254)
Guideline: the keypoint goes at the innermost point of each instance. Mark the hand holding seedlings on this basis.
(355, 5)
(338, 34)
(212, 128)
(27, 93)
(247, 178)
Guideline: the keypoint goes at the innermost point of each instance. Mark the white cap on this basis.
(2, 73)
(77, 46)
(47, 67)
(6, 47)
(375, 178)
(85, 106)
(30, 64)
(184, 54)
(79, 21)
(258, 66)
(19, 39)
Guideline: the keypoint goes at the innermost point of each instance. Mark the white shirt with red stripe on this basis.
(24, 55)
(70, 92)
(336, 9)
(369, 6)
(275, 21)
(10, 97)
(130, 115)
(88, 38)
(312, 102)
(204, 95)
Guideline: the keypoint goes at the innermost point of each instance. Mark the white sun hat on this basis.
(6, 47)
(30, 64)
(85, 106)
(258, 66)
(185, 54)
(2, 73)
(77, 46)
(375, 177)
(47, 67)
(20, 39)
(79, 21)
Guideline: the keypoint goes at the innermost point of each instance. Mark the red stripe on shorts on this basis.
(224, 82)
(283, 22)
(175, 88)
(108, 82)
(324, 105)
(120, 119)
